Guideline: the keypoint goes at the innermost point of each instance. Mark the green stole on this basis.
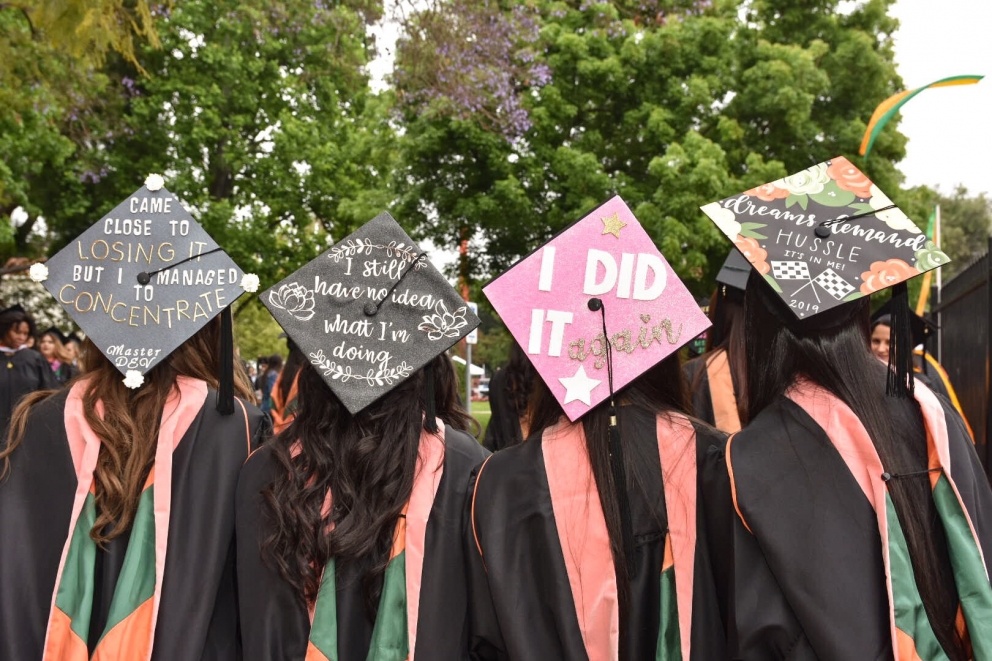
(913, 638)
(395, 630)
(130, 630)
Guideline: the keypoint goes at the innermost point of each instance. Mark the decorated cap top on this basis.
(602, 269)
(142, 280)
(369, 312)
(825, 236)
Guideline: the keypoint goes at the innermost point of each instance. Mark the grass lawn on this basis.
(481, 412)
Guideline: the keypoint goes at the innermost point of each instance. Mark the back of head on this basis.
(831, 350)
(366, 461)
(128, 427)
(660, 389)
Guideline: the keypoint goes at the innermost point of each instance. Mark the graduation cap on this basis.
(920, 328)
(826, 236)
(144, 279)
(600, 278)
(735, 271)
(369, 312)
(594, 308)
(59, 335)
(16, 307)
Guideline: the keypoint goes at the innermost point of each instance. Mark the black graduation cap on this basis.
(826, 236)
(52, 330)
(369, 312)
(920, 328)
(143, 279)
(735, 271)
(16, 307)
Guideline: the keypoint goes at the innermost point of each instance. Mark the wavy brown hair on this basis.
(367, 461)
(128, 428)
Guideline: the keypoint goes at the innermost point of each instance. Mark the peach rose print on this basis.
(885, 274)
(768, 192)
(754, 253)
(849, 178)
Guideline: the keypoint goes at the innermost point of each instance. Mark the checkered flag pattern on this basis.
(834, 284)
(790, 270)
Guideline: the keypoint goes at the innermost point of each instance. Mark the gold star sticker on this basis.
(613, 225)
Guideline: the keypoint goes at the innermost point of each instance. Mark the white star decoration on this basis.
(579, 387)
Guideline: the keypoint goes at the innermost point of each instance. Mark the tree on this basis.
(670, 104)
(258, 114)
(965, 225)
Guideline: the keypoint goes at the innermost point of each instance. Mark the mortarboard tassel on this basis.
(225, 396)
(430, 405)
(615, 447)
(900, 381)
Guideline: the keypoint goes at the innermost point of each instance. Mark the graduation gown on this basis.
(21, 373)
(816, 546)
(276, 625)
(712, 388)
(183, 597)
(543, 584)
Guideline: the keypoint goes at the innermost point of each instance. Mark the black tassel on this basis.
(900, 378)
(430, 405)
(619, 471)
(225, 396)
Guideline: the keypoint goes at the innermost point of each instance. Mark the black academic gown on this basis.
(274, 622)
(809, 581)
(522, 603)
(198, 616)
(21, 373)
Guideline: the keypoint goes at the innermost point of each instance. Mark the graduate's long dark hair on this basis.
(661, 388)
(367, 461)
(129, 424)
(832, 350)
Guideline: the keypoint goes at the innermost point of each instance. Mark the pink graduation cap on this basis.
(604, 269)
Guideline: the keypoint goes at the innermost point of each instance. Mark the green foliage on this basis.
(258, 115)
(256, 333)
(965, 225)
(669, 104)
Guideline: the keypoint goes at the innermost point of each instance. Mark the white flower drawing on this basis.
(724, 219)
(895, 218)
(810, 181)
(295, 299)
(443, 323)
(154, 182)
(133, 379)
(38, 272)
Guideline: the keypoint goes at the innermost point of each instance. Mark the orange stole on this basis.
(133, 636)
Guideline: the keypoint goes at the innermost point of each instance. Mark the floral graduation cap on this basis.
(825, 236)
(603, 270)
(143, 279)
(370, 312)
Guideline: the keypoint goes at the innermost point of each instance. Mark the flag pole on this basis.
(936, 239)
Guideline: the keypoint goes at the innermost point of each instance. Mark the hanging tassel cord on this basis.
(430, 404)
(615, 447)
(900, 381)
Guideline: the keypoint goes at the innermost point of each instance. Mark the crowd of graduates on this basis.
(794, 492)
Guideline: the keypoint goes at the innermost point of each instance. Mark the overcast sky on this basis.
(949, 129)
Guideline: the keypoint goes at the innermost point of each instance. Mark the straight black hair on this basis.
(832, 350)
(660, 389)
